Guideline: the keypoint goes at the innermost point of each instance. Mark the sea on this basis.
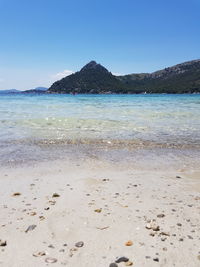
(49, 126)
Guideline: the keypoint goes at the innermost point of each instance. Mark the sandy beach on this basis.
(94, 212)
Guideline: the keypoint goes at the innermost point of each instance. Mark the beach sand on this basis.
(107, 207)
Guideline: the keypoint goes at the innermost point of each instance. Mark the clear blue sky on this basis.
(41, 39)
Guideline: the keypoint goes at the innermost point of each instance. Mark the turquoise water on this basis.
(171, 119)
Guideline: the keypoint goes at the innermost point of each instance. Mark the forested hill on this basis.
(94, 78)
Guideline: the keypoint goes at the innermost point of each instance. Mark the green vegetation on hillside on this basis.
(94, 78)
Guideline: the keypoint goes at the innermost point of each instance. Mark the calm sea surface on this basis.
(163, 119)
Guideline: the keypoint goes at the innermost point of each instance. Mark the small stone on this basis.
(50, 260)
(179, 224)
(33, 213)
(55, 195)
(113, 265)
(98, 210)
(129, 263)
(39, 254)
(153, 226)
(129, 243)
(52, 202)
(79, 244)
(152, 234)
(178, 177)
(3, 243)
(30, 228)
(156, 259)
(164, 233)
(122, 259)
(16, 194)
(148, 226)
(161, 215)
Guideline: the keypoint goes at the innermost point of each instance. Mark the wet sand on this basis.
(90, 212)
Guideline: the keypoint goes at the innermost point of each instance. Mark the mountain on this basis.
(94, 78)
(37, 90)
(9, 91)
(181, 78)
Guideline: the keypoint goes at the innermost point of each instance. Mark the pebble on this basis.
(16, 194)
(55, 195)
(152, 226)
(3, 243)
(113, 265)
(129, 263)
(122, 259)
(33, 213)
(161, 215)
(129, 243)
(98, 210)
(156, 259)
(79, 244)
(164, 233)
(30, 228)
(39, 254)
(50, 260)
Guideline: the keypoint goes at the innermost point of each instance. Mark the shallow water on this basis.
(167, 120)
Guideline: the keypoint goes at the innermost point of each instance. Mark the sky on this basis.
(42, 41)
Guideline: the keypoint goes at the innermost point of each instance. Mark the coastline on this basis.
(103, 202)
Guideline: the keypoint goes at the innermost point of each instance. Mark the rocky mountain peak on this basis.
(93, 65)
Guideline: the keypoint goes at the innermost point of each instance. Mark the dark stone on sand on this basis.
(178, 177)
(156, 259)
(3, 243)
(55, 195)
(79, 244)
(122, 259)
(161, 215)
(113, 265)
